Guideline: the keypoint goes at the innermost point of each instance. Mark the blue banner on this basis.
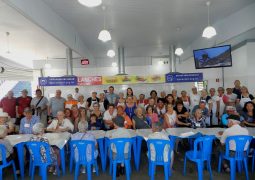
(58, 81)
(184, 77)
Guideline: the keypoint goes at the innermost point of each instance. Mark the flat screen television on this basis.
(214, 57)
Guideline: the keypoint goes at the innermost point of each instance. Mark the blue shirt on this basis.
(112, 98)
(26, 127)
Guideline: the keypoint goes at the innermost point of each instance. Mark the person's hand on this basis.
(93, 128)
(220, 133)
(188, 124)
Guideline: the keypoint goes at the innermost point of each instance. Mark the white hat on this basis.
(3, 114)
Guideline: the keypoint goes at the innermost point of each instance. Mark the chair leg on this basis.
(43, 170)
(209, 168)
(33, 172)
(253, 159)
(219, 163)
(152, 170)
(149, 164)
(127, 167)
(110, 168)
(246, 168)
(1, 173)
(166, 171)
(76, 172)
(200, 170)
(114, 168)
(14, 171)
(184, 167)
(71, 162)
(232, 169)
(239, 166)
(96, 166)
(89, 171)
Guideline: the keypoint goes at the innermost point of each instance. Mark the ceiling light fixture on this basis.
(209, 31)
(178, 51)
(90, 3)
(104, 34)
(111, 53)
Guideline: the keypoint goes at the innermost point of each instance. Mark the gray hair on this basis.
(82, 126)
(157, 126)
(38, 128)
(2, 131)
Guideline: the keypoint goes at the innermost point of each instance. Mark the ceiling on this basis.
(27, 41)
(143, 27)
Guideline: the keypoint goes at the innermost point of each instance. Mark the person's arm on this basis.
(248, 123)
(21, 127)
(128, 122)
(133, 124)
(217, 108)
(49, 108)
(181, 123)
(11, 128)
(166, 121)
(251, 96)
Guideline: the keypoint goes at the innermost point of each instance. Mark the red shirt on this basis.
(22, 103)
(9, 106)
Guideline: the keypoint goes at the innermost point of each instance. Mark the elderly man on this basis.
(202, 106)
(83, 135)
(111, 96)
(22, 102)
(27, 123)
(60, 124)
(8, 104)
(160, 134)
(109, 115)
(70, 101)
(56, 104)
(40, 105)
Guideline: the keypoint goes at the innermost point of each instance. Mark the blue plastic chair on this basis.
(192, 138)
(159, 146)
(253, 161)
(120, 156)
(240, 155)
(5, 163)
(202, 152)
(82, 147)
(34, 148)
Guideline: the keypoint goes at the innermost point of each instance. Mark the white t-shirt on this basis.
(163, 136)
(194, 100)
(215, 99)
(76, 96)
(235, 130)
(81, 104)
(109, 117)
(65, 124)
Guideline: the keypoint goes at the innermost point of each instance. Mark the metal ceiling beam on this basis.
(40, 14)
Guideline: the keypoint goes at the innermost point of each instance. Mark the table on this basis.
(99, 135)
(56, 139)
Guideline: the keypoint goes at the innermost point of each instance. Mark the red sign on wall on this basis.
(89, 80)
(84, 62)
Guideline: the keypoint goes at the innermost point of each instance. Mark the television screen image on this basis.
(213, 57)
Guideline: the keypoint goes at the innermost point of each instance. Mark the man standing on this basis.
(8, 104)
(27, 122)
(76, 95)
(111, 96)
(39, 104)
(56, 104)
(22, 102)
(91, 100)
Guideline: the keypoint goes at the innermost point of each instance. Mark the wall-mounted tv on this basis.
(214, 57)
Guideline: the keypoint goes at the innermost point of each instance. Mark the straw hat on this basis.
(3, 114)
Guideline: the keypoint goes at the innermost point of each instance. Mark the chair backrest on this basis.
(242, 144)
(85, 150)
(203, 147)
(3, 153)
(122, 148)
(159, 146)
(40, 152)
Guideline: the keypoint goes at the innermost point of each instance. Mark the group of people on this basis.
(27, 115)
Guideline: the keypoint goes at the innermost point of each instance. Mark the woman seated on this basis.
(249, 114)
(94, 123)
(170, 117)
(68, 114)
(198, 121)
(11, 154)
(151, 116)
(61, 124)
(230, 111)
(4, 121)
(139, 119)
(182, 115)
(38, 131)
(82, 118)
(121, 113)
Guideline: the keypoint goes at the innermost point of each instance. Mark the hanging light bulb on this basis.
(178, 51)
(111, 53)
(90, 3)
(209, 31)
(104, 35)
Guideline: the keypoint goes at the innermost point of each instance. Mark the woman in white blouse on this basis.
(61, 124)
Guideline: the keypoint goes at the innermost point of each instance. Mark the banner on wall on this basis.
(89, 80)
(122, 79)
(184, 77)
(57, 81)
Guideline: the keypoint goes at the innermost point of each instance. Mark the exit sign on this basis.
(84, 62)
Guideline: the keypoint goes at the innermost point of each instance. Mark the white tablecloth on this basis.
(98, 133)
(108, 134)
(57, 139)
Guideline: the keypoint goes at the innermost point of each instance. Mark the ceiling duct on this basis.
(121, 61)
(172, 59)
(69, 62)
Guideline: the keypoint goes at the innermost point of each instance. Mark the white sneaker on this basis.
(83, 170)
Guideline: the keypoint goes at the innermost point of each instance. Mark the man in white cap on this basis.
(5, 122)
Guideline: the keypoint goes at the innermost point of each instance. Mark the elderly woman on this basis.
(83, 135)
(103, 102)
(139, 119)
(4, 121)
(60, 124)
(245, 96)
(38, 131)
(170, 117)
(198, 121)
